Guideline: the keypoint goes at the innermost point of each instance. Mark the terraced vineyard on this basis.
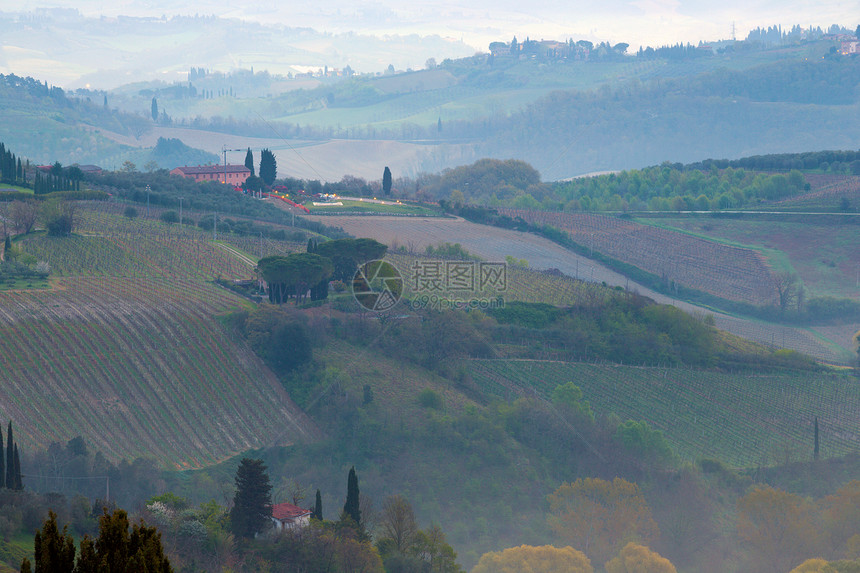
(744, 420)
(137, 366)
(522, 284)
(734, 273)
(124, 348)
(108, 244)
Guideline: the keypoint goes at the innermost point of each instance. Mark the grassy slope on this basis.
(125, 350)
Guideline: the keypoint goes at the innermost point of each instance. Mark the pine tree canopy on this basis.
(252, 504)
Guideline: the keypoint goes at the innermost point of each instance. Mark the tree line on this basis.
(12, 170)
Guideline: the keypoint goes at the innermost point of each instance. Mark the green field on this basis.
(392, 207)
(6, 188)
(745, 420)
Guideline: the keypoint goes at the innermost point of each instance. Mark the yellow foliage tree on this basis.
(842, 523)
(531, 559)
(811, 566)
(600, 516)
(639, 559)
(778, 528)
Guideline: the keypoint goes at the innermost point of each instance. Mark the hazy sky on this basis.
(478, 22)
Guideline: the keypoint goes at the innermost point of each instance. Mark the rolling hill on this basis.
(125, 350)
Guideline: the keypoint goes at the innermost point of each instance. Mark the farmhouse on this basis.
(289, 516)
(236, 174)
(850, 46)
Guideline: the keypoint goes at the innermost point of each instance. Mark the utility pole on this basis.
(147, 200)
(224, 150)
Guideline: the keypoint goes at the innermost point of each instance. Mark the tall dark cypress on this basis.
(19, 482)
(10, 458)
(317, 514)
(386, 181)
(351, 507)
(249, 161)
(2, 462)
(815, 450)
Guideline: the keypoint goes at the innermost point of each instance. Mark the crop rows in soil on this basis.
(106, 244)
(826, 192)
(137, 367)
(733, 273)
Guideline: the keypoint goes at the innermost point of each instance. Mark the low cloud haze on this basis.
(76, 54)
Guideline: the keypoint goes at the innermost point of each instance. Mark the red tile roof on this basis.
(289, 511)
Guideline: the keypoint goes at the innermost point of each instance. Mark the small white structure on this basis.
(289, 516)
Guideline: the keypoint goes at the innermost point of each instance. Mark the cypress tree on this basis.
(386, 181)
(2, 462)
(268, 167)
(19, 483)
(815, 450)
(7, 245)
(249, 161)
(10, 458)
(351, 507)
(317, 514)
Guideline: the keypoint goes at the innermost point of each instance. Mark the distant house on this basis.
(289, 516)
(92, 169)
(236, 174)
(850, 46)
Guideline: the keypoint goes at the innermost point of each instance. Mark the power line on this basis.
(293, 149)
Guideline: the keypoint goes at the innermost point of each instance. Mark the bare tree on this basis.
(786, 287)
(369, 514)
(292, 490)
(398, 522)
(23, 215)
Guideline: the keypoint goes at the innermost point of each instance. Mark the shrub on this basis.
(428, 398)
(170, 217)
